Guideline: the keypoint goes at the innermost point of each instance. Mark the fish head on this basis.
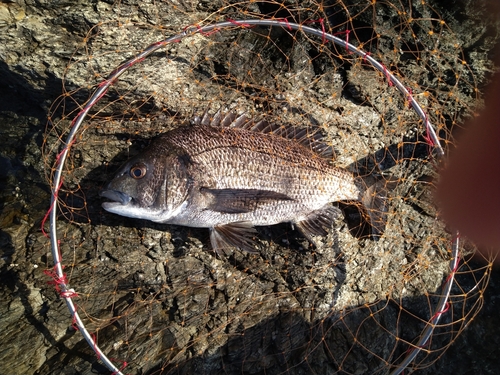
(140, 188)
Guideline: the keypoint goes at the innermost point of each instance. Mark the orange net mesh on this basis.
(155, 296)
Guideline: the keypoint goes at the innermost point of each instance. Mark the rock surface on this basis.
(155, 296)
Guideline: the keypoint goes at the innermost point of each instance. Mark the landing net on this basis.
(387, 84)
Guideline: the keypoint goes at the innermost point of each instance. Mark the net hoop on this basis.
(67, 294)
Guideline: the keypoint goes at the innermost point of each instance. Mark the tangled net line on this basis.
(59, 277)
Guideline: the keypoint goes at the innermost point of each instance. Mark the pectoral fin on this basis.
(239, 234)
(235, 201)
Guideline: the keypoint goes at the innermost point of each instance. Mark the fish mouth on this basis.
(116, 197)
(122, 204)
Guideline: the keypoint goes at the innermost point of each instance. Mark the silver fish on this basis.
(230, 173)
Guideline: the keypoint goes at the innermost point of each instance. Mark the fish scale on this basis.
(312, 184)
(230, 174)
(281, 160)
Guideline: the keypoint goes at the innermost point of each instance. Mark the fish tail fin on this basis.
(375, 202)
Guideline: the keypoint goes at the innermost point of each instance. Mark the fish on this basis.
(230, 173)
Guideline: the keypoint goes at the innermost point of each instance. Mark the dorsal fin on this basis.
(312, 138)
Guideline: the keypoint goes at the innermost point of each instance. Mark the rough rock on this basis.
(155, 296)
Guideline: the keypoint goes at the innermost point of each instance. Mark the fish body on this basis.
(229, 174)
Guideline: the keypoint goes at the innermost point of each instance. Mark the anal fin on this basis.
(239, 234)
(317, 221)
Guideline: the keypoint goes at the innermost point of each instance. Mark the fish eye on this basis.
(138, 171)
